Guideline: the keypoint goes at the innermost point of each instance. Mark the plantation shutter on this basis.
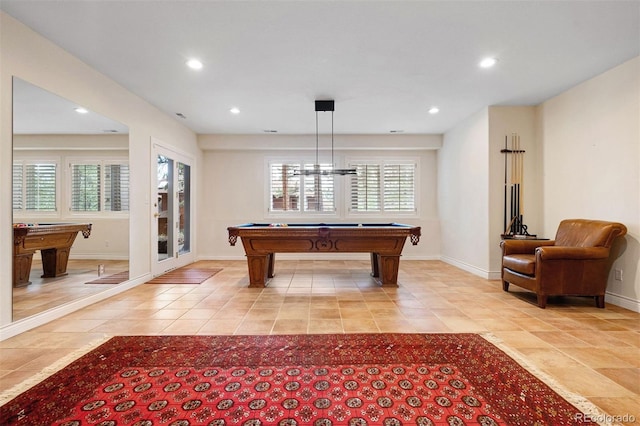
(85, 187)
(40, 187)
(319, 189)
(285, 187)
(116, 187)
(17, 189)
(399, 187)
(365, 188)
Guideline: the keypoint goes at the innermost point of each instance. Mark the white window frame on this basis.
(299, 213)
(102, 162)
(23, 213)
(381, 162)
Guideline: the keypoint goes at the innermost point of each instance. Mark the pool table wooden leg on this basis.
(271, 259)
(375, 266)
(257, 270)
(389, 270)
(54, 262)
(22, 269)
(385, 269)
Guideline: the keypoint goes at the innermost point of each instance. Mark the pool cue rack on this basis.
(514, 189)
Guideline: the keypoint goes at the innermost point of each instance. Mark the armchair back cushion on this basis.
(588, 233)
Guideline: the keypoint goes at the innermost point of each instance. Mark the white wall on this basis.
(235, 190)
(590, 139)
(29, 56)
(463, 194)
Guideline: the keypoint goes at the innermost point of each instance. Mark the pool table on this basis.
(383, 240)
(54, 240)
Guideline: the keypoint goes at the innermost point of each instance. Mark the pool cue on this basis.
(506, 153)
(521, 172)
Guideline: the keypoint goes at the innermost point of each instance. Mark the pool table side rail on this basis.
(253, 230)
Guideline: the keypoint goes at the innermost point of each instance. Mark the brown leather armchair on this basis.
(576, 263)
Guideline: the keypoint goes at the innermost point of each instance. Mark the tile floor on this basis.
(592, 352)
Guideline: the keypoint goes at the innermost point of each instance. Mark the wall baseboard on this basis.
(99, 256)
(623, 301)
(483, 273)
(34, 321)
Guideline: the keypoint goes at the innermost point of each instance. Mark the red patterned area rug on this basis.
(185, 275)
(345, 379)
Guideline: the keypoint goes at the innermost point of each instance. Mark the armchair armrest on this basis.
(571, 253)
(523, 246)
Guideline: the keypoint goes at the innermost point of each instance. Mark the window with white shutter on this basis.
(18, 187)
(318, 189)
(285, 187)
(399, 188)
(384, 186)
(291, 190)
(116, 187)
(365, 188)
(99, 186)
(34, 187)
(85, 187)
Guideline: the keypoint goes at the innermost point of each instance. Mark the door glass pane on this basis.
(184, 208)
(165, 207)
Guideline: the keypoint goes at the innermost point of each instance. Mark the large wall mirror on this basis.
(70, 201)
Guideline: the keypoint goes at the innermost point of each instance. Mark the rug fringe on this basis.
(579, 401)
(26, 384)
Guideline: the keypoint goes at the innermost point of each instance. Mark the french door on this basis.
(171, 208)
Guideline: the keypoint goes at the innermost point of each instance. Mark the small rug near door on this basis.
(340, 379)
(185, 275)
(111, 279)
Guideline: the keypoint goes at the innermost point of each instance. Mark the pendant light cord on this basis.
(332, 162)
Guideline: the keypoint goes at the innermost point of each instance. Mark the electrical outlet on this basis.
(617, 274)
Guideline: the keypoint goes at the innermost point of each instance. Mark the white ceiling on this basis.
(384, 62)
(37, 111)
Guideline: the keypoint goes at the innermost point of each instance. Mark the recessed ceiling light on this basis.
(234, 110)
(81, 110)
(488, 62)
(181, 115)
(434, 110)
(194, 64)
(396, 131)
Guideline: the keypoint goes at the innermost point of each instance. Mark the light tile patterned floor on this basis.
(592, 352)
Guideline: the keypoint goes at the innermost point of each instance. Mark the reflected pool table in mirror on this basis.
(384, 241)
(54, 240)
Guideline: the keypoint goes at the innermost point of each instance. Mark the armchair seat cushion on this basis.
(522, 263)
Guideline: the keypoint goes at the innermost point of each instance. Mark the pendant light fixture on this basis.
(323, 106)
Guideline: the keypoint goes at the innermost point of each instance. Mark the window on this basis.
(99, 186)
(383, 186)
(116, 187)
(291, 190)
(85, 187)
(399, 187)
(34, 187)
(18, 190)
(365, 188)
